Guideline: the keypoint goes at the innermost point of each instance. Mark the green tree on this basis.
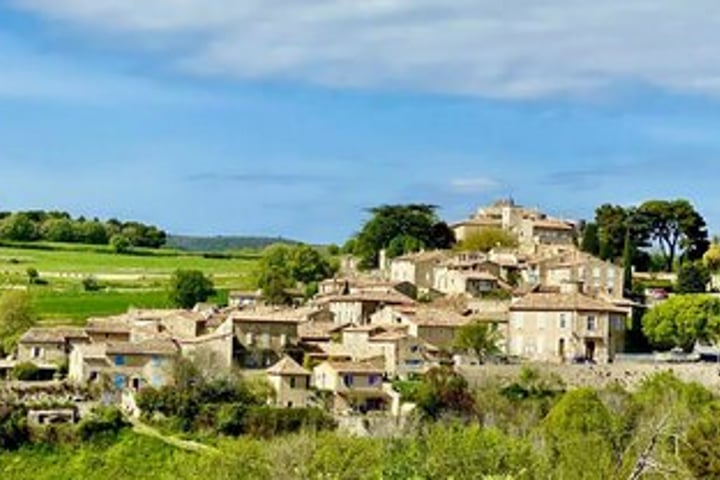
(478, 337)
(701, 450)
(16, 317)
(590, 241)
(94, 233)
(628, 263)
(677, 228)
(283, 267)
(189, 287)
(120, 243)
(580, 435)
(487, 239)
(33, 275)
(682, 320)
(58, 230)
(18, 227)
(693, 277)
(389, 222)
(712, 258)
(611, 221)
(445, 391)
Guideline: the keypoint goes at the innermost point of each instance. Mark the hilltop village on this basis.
(543, 300)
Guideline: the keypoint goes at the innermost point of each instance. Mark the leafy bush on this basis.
(91, 284)
(26, 371)
(103, 421)
(270, 421)
(14, 431)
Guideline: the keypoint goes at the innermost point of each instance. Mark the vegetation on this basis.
(190, 287)
(529, 428)
(283, 268)
(682, 320)
(400, 229)
(693, 277)
(61, 227)
(16, 317)
(487, 239)
(672, 225)
(479, 338)
(712, 258)
(222, 243)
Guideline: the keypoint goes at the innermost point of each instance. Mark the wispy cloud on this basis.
(511, 49)
(474, 185)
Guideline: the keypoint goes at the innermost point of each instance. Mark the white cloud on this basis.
(509, 48)
(474, 185)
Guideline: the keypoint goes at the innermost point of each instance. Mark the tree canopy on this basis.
(400, 229)
(479, 338)
(190, 287)
(682, 320)
(487, 239)
(693, 277)
(61, 227)
(16, 316)
(673, 226)
(283, 267)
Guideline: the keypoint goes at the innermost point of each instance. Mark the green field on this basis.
(133, 280)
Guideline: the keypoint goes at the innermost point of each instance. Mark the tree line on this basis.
(54, 226)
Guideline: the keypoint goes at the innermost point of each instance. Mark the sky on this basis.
(293, 117)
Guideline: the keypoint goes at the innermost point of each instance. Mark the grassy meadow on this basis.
(138, 279)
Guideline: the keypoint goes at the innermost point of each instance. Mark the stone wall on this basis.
(626, 374)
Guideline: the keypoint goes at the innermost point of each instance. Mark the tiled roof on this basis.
(552, 224)
(378, 297)
(317, 329)
(355, 367)
(287, 366)
(562, 301)
(93, 350)
(288, 315)
(479, 222)
(425, 256)
(147, 347)
(115, 324)
(52, 334)
(438, 317)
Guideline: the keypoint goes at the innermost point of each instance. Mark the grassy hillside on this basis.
(221, 243)
(138, 279)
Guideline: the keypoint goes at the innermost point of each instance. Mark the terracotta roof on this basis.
(377, 297)
(146, 347)
(473, 275)
(288, 315)
(355, 367)
(425, 256)
(438, 317)
(93, 350)
(52, 334)
(552, 224)
(393, 334)
(115, 324)
(562, 301)
(287, 366)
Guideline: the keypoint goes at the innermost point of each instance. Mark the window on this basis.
(249, 338)
(36, 352)
(541, 322)
(119, 360)
(155, 360)
(348, 380)
(591, 323)
(119, 381)
(373, 380)
(563, 320)
(292, 382)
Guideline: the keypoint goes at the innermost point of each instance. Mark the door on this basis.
(561, 349)
(589, 349)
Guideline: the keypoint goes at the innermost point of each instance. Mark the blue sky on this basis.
(230, 117)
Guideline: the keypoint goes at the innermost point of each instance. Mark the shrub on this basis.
(91, 284)
(102, 421)
(230, 418)
(26, 371)
(14, 431)
(269, 421)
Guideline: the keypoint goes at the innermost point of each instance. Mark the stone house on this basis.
(435, 326)
(291, 383)
(354, 386)
(357, 285)
(417, 268)
(109, 329)
(357, 308)
(127, 365)
(261, 337)
(49, 344)
(244, 298)
(595, 276)
(566, 326)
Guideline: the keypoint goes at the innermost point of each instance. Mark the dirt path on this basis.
(188, 445)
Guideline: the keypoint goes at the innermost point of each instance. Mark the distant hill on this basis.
(221, 243)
